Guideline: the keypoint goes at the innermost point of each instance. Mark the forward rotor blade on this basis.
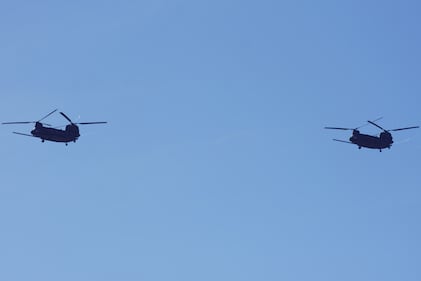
(377, 119)
(338, 128)
(343, 141)
(65, 116)
(22, 134)
(407, 128)
(28, 122)
(374, 124)
(47, 115)
(24, 122)
(90, 123)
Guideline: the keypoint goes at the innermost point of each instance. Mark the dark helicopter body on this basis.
(70, 134)
(46, 133)
(384, 140)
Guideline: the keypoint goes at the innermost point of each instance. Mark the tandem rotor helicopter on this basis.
(46, 132)
(384, 140)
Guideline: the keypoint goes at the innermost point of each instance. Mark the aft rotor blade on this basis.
(343, 141)
(47, 115)
(338, 128)
(65, 116)
(407, 128)
(374, 124)
(90, 123)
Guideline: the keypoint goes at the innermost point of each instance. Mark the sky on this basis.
(214, 164)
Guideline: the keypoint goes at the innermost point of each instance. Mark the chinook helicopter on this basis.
(46, 132)
(384, 140)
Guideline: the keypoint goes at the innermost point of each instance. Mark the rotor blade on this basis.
(343, 141)
(90, 123)
(407, 128)
(65, 116)
(374, 124)
(24, 122)
(338, 128)
(22, 134)
(377, 119)
(47, 115)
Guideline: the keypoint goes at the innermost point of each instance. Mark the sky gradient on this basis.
(214, 164)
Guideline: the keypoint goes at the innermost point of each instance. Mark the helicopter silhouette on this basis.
(46, 132)
(384, 140)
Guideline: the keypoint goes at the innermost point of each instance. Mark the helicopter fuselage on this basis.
(70, 134)
(375, 142)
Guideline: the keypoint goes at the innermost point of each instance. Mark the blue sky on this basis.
(214, 164)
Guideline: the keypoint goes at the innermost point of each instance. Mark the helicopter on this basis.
(46, 132)
(384, 140)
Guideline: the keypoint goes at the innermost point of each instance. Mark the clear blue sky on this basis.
(214, 164)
